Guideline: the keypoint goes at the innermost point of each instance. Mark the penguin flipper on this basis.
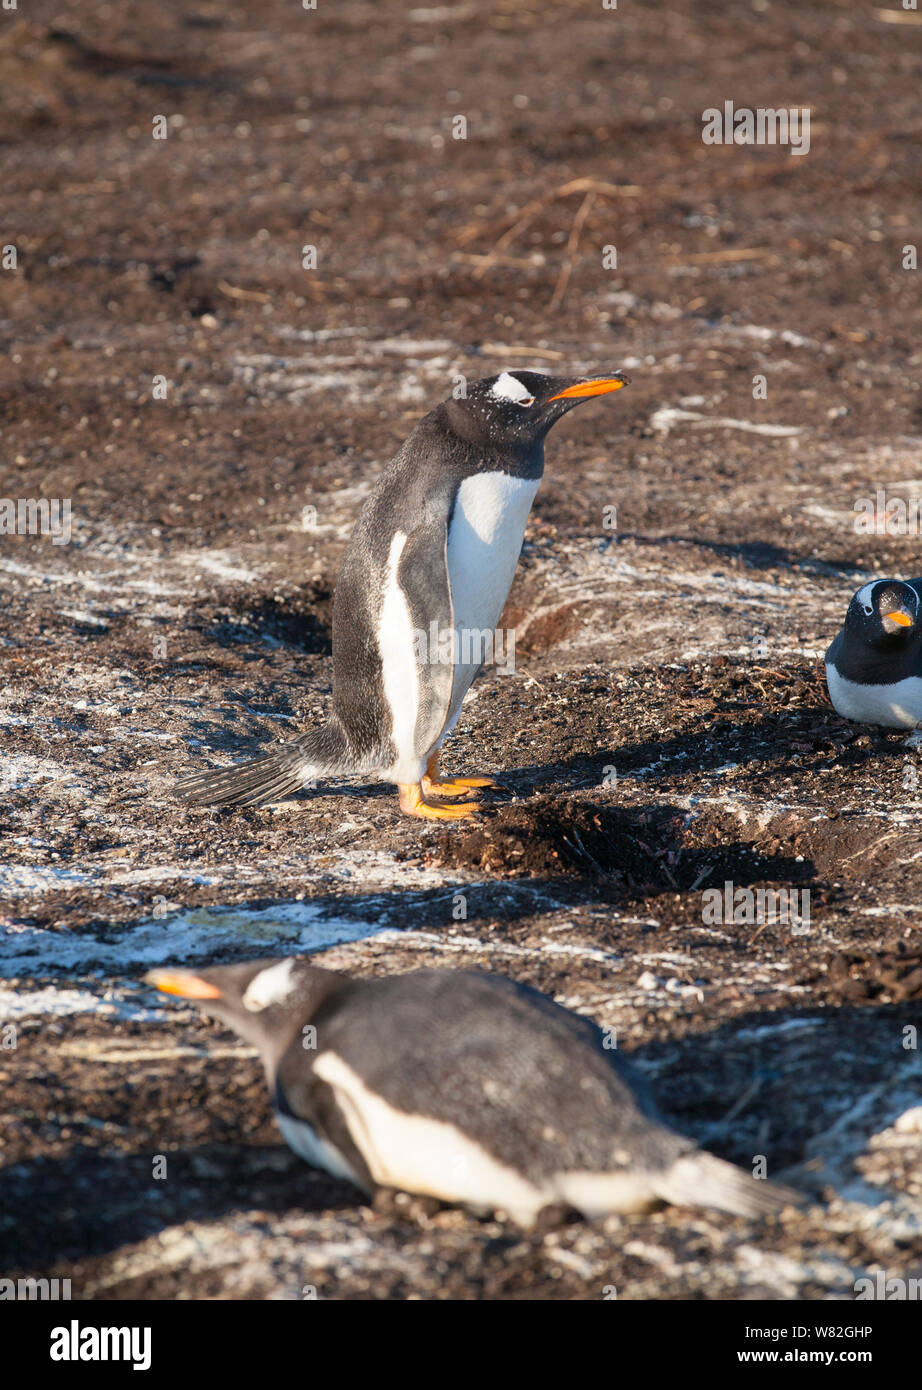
(423, 576)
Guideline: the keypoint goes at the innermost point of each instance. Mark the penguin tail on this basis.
(699, 1179)
(272, 776)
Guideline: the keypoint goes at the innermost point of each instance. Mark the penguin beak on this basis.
(182, 982)
(600, 387)
(900, 618)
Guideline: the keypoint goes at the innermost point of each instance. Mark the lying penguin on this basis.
(874, 666)
(461, 1086)
(434, 550)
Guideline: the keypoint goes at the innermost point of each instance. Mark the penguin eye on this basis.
(526, 400)
(868, 609)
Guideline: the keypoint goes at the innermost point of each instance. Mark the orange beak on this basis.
(901, 618)
(182, 982)
(601, 387)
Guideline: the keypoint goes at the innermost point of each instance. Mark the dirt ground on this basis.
(666, 729)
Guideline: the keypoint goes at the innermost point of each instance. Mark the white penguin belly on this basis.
(484, 541)
(399, 672)
(414, 1153)
(897, 706)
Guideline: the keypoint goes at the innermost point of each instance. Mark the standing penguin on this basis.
(433, 552)
(874, 666)
(462, 1086)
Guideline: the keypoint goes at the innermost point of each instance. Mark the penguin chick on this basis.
(421, 589)
(462, 1086)
(874, 666)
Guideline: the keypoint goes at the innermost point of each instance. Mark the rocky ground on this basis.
(666, 730)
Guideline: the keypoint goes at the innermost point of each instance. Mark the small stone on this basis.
(910, 1122)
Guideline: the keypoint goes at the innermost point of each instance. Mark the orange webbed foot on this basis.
(413, 802)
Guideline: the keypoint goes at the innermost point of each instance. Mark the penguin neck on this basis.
(882, 664)
(525, 462)
(276, 1029)
(474, 452)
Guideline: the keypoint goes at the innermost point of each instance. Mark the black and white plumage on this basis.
(462, 1086)
(434, 549)
(874, 666)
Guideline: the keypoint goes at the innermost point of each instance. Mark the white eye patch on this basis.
(270, 986)
(863, 596)
(507, 387)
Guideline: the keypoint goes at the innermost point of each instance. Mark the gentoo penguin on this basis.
(432, 554)
(462, 1086)
(874, 666)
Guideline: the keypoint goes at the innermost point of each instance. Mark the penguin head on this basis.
(517, 408)
(267, 1002)
(884, 614)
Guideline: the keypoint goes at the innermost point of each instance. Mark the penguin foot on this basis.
(414, 803)
(455, 786)
(408, 1206)
(553, 1216)
(433, 784)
